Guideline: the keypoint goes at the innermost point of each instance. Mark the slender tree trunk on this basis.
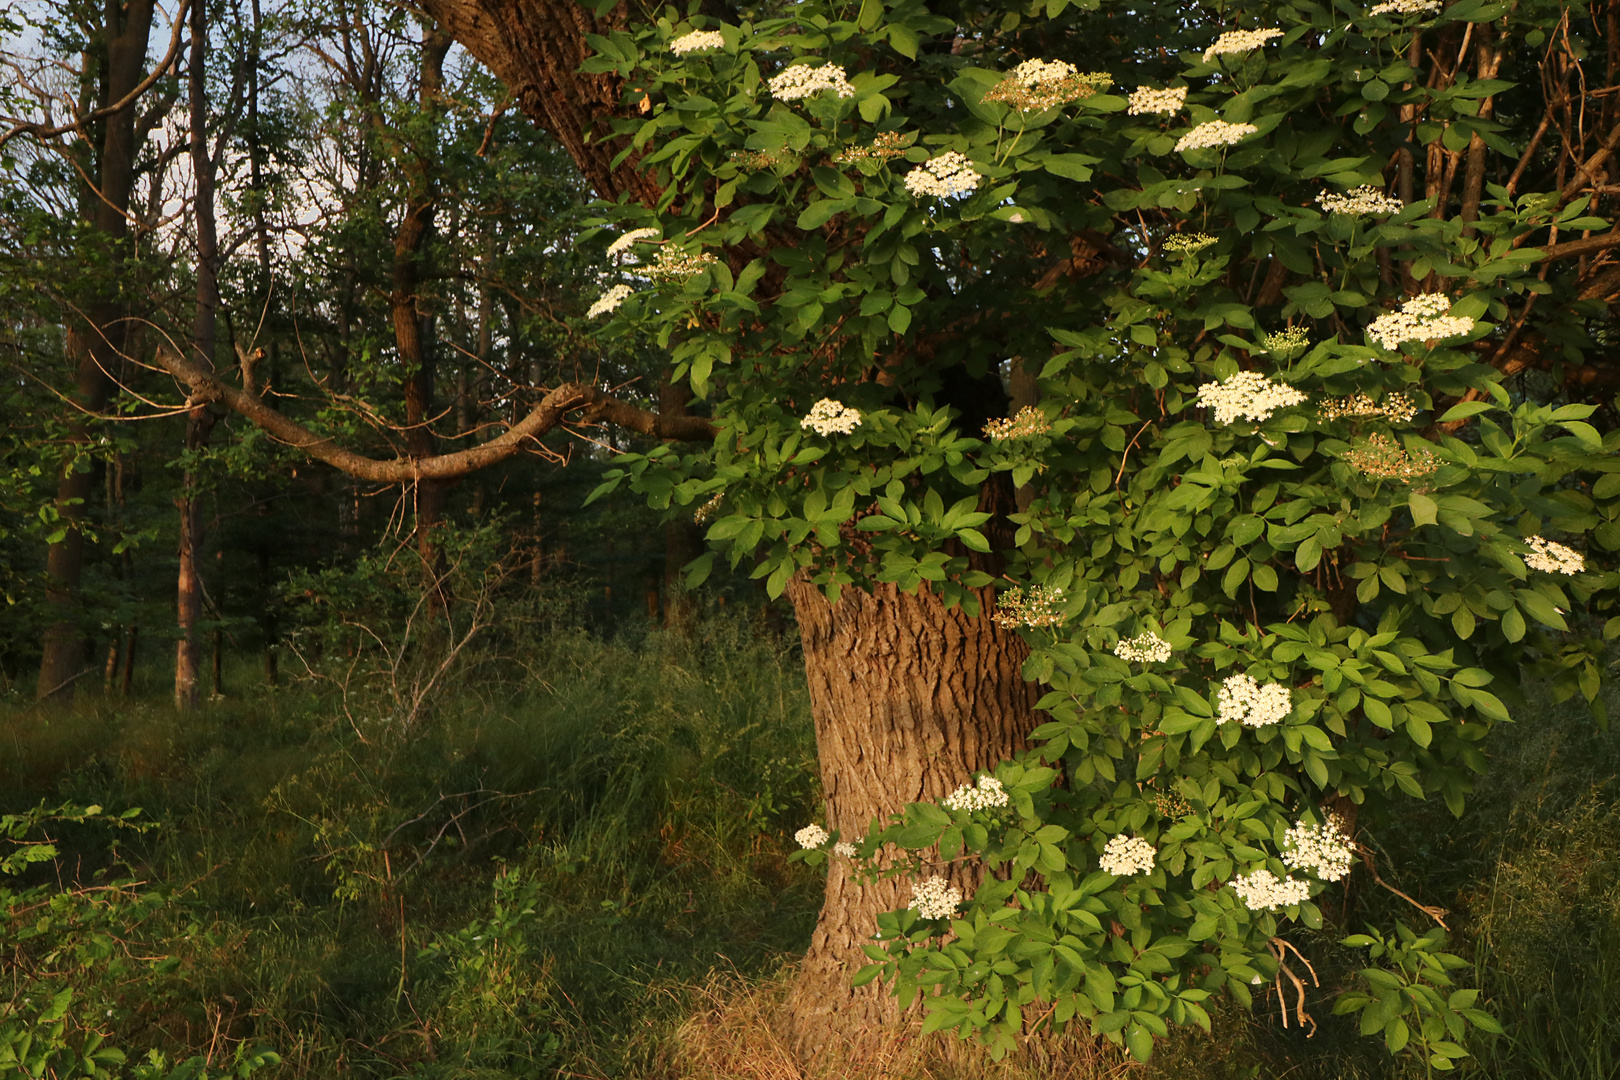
(97, 347)
(683, 540)
(200, 419)
(909, 700)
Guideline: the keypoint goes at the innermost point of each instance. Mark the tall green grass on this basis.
(515, 883)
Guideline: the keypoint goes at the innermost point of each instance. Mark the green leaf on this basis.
(1423, 508)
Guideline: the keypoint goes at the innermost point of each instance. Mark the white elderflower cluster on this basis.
(1187, 243)
(1422, 318)
(811, 837)
(1553, 558)
(676, 265)
(697, 41)
(802, 80)
(935, 899)
(1035, 72)
(984, 795)
(1127, 855)
(1246, 701)
(1145, 100)
(629, 239)
(1248, 395)
(1397, 407)
(1029, 422)
(1148, 648)
(1406, 7)
(1261, 891)
(1214, 133)
(829, 417)
(1239, 41)
(1286, 340)
(705, 513)
(1045, 84)
(1323, 850)
(610, 301)
(1038, 606)
(1359, 202)
(844, 848)
(947, 175)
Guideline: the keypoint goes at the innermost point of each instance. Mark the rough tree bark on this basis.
(97, 346)
(909, 700)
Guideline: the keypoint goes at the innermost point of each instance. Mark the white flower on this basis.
(1286, 340)
(1261, 891)
(1422, 318)
(697, 41)
(811, 837)
(1035, 72)
(829, 417)
(1406, 7)
(1245, 700)
(1360, 201)
(1148, 648)
(1248, 395)
(1553, 558)
(947, 175)
(610, 301)
(1239, 41)
(1214, 133)
(844, 848)
(987, 793)
(1323, 850)
(1145, 100)
(934, 899)
(705, 513)
(1039, 605)
(802, 80)
(634, 236)
(673, 264)
(1127, 855)
(1029, 422)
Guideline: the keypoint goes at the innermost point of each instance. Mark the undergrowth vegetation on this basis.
(570, 859)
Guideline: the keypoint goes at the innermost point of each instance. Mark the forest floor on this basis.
(570, 859)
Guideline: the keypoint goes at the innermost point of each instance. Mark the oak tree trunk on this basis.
(96, 348)
(910, 700)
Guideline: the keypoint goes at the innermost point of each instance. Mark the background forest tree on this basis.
(386, 285)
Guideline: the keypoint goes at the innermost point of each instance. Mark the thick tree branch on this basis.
(1573, 249)
(592, 403)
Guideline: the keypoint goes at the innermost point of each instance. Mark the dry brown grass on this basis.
(732, 1034)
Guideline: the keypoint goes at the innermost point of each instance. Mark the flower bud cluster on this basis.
(1246, 701)
(1406, 7)
(1286, 340)
(888, 144)
(1127, 855)
(676, 265)
(1148, 648)
(609, 301)
(947, 175)
(801, 80)
(829, 417)
(1187, 243)
(697, 41)
(1382, 457)
(984, 795)
(1029, 422)
(1171, 804)
(1045, 84)
(705, 513)
(1397, 407)
(1422, 318)
(1239, 41)
(1553, 558)
(1323, 850)
(1248, 395)
(1214, 133)
(625, 242)
(1261, 891)
(811, 837)
(935, 899)
(1145, 100)
(1359, 202)
(756, 160)
(1041, 605)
